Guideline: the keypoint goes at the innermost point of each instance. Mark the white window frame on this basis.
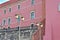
(34, 14)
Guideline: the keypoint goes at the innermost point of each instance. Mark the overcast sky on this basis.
(2, 1)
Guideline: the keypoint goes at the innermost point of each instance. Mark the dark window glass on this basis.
(4, 21)
(4, 11)
(9, 9)
(18, 6)
(9, 21)
(32, 15)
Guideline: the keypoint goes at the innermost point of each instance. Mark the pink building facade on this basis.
(26, 7)
(33, 12)
(52, 20)
(52, 15)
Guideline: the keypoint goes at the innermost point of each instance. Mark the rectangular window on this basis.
(4, 11)
(32, 2)
(9, 9)
(9, 20)
(32, 15)
(4, 22)
(18, 7)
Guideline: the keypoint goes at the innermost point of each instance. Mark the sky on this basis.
(2, 1)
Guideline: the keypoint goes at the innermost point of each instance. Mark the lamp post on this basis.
(19, 17)
(40, 25)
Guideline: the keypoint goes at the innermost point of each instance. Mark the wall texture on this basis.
(25, 10)
(52, 20)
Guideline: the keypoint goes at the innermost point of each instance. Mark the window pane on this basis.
(18, 6)
(9, 21)
(32, 15)
(32, 25)
(32, 2)
(4, 11)
(9, 9)
(4, 21)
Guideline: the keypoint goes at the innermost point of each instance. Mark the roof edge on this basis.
(7, 3)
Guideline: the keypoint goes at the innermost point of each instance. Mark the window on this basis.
(4, 22)
(9, 20)
(4, 11)
(18, 6)
(32, 2)
(32, 26)
(32, 15)
(59, 7)
(9, 9)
